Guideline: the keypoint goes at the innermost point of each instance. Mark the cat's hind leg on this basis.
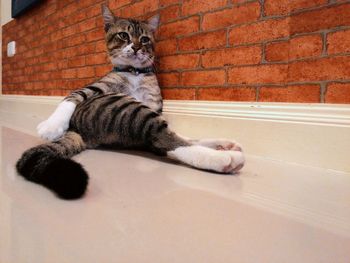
(194, 154)
(217, 144)
(220, 144)
(209, 159)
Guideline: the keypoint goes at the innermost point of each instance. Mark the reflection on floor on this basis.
(141, 208)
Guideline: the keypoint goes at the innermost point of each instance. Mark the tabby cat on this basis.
(121, 110)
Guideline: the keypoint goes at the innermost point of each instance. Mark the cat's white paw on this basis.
(52, 129)
(221, 144)
(209, 159)
(225, 161)
(57, 124)
(226, 145)
(236, 163)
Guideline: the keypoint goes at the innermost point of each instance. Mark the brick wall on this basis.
(237, 50)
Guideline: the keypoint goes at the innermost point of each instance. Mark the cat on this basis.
(130, 46)
(118, 112)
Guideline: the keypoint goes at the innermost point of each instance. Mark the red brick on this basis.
(239, 1)
(76, 62)
(95, 59)
(338, 93)
(56, 39)
(186, 61)
(56, 75)
(335, 68)
(282, 7)
(190, 7)
(50, 9)
(71, 30)
(87, 48)
(49, 66)
(182, 27)
(87, 24)
(102, 70)
(168, 79)
(63, 64)
(227, 94)
(118, 4)
(166, 47)
(42, 59)
(54, 92)
(203, 41)
(306, 46)
(92, 11)
(101, 46)
(53, 46)
(179, 94)
(73, 40)
(138, 9)
(325, 18)
(66, 53)
(203, 78)
(69, 73)
(232, 56)
(38, 51)
(295, 48)
(301, 93)
(258, 74)
(94, 35)
(100, 23)
(86, 3)
(258, 32)
(169, 13)
(78, 17)
(69, 9)
(86, 72)
(235, 15)
(78, 83)
(338, 42)
(163, 3)
(55, 36)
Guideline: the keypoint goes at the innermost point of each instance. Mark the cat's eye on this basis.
(145, 40)
(123, 36)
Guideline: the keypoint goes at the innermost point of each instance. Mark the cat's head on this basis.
(129, 42)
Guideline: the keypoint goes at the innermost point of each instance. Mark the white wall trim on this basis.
(286, 112)
(322, 114)
(309, 134)
(54, 100)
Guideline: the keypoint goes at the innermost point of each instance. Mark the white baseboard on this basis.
(310, 134)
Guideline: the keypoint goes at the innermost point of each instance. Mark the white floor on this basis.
(141, 208)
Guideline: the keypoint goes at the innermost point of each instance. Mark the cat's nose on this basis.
(135, 48)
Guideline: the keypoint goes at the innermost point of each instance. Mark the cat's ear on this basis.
(153, 22)
(108, 17)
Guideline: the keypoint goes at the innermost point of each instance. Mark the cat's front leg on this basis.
(57, 124)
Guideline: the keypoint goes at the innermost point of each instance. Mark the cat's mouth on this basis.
(138, 57)
(136, 60)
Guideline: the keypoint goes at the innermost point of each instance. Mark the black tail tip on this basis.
(66, 178)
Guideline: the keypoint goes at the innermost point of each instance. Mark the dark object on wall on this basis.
(20, 6)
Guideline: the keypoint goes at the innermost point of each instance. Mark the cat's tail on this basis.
(49, 165)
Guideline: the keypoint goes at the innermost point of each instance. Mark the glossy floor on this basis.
(140, 208)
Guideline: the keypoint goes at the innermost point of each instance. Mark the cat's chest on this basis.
(134, 81)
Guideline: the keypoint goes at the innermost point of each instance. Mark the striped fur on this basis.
(121, 121)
